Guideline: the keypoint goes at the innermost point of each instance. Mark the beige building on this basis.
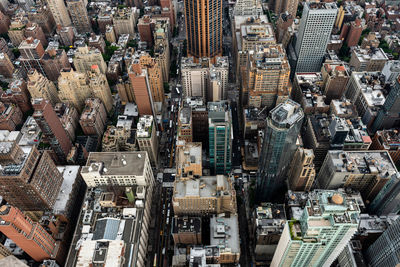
(124, 21)
(195, 77)
(40, 87)
(85, 57)
(99, 87)
(120, 137)
(125, 91)
(267, 76)
(188, 159)
(205, 195)
(368, 59)
(74, 88)
(79, 16)
(110, 34)
(16, 31)
(302, 172)
(185, 124)
(147, 139)
(161, 47)
(94, 117)
(59, 12)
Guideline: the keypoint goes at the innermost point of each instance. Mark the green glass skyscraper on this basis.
(220, 137)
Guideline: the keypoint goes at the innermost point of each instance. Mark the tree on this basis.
(166, 88)
(344, 53)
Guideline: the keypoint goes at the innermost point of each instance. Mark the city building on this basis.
(52, 128)
(110, 34)
(199, 119)
(35, 31)
(189, 159)
(328, 222)
(17, 93)
(385, 250)
(161, 46)
(10, 116)
(16, 30)
(391, 70)
(195, 77)
(146, 27)
(59, 12)
(141, 88)
(79, 16)
(27, 234)
(186, 230)
(6, 66)
(282, 6)
(388, 140)
(99, 87)
(351, 32)
(364, 171)
(125, 91)
(315, 28)
(373, 59)
(85, 57)
(302, 172)
(29, 179)
(98, 42)
(185, 124)
(220, 134)
(204, 195)
(4, 23)
(43, 17)
(124, 21)
(269, 221)
(279, 146)
(218, 79)
(343, 109)
(335, 77)
(94, 117)
(121, 137)
(31, 52)
(147, 138)
(118, 168)
(67, 35)
(40, 87)
(267, 76)
(53, 61)
(204, 28)
(69, 118)
(388, 199)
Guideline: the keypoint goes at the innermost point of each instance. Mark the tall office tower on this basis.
(195, 77)
(29, 180)
(30, 236)
(74, 88)
(31, 53)
(302, 172)
(85, 57)
(40, 87)
(267, 77)
(17, 93)
(388, 116)
(204, 28)
(279, 145)
(52, 128)
(79, 16)
(6, 66)
(141, 88)
(385, 251)
(161, 47)
(99, 87)
(366, 171)
(94, 117)
(147, 139)
(315, 29)
(282, 6)
(124, 21)
(220, 136)
(35, 31)
(328, 222)
(59, 12)
(335, 76)
(388, 199)
(154, 75)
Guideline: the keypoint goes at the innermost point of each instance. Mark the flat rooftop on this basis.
(186, 225)
(224, 233)
(287, 113)
(116, 163)
(205, 186)
(70, 174)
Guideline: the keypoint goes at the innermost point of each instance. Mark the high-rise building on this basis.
(141, 88)
(195, 77)
(187, 230)
(124, 21)
(121, 137)
(315, 29)
(31, 54)
(391, 70)
(185, 124)
(267, 76)
(94, 117)
(279, 145)
(388, 199)
(16, 30)
(365, 171)
(373, 59)
(43, 17)
(17, 93)
(220, 134)
(328, 222)
(35, 31)
(30, 236)
(147, 139)
(161, 47)
(53, 61)
(52, 128)
(69, 118)
(99, 87)
(6, 66)
(218, 79)
(302, 172)
(385, 250)
(67, 35)
(40, 87)
(4, 23)
(10, 116)
(335, 77)
(29, 180)
(74, 88)
(59, 12)
(85, 57)
(388, 140)
(79, 16)
(351, 32)
(282, 6)
(204, 28)
(146, 27)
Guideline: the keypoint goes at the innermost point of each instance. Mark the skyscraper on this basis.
(28, 235)
(50, 124)
(141, 88)
(79, 16)
(204, 28)
(59, 12)
(385, 251)
(282, 6)
(314, 32)
(279, 145)
(40, 87)
(328, 222)
(220, 136)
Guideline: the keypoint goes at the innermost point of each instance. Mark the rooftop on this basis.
(186, 225)
(116, 163)
(188, 154)
(224, 233)
(365, 55)
(70, 175)
(144, 126)
(389, 139)
(270, 218)
(344, 108)
(206, 186)
(286, 114)
(92, 106)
